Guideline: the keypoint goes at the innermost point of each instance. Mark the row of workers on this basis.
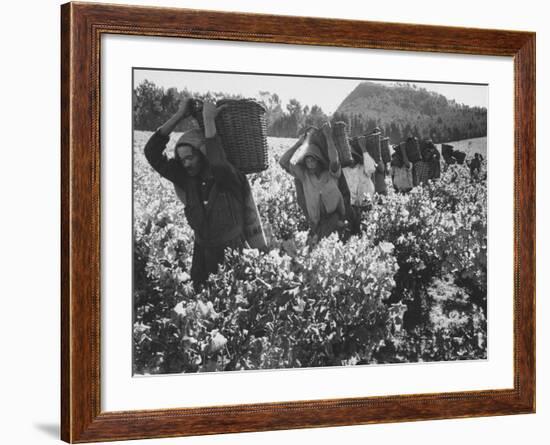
(331, 196)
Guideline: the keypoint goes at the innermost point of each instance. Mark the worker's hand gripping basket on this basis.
(340, 138)
(242, 127)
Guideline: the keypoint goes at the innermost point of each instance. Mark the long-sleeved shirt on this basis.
(321, 192)
(359, 179)
(213, 199)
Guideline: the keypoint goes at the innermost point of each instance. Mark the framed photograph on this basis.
(275, 222)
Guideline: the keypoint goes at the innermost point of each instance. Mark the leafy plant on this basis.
(410, 287)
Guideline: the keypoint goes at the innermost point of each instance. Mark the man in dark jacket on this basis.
(211, 188)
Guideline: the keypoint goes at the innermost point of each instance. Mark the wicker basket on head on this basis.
(460, 156)
(372, 147)
(385, 149)
(242, 128)
(340, 136)
(353, 143)
(362, 142)
(413, 149)
(401, 148)
(447, 150)
(356, 149)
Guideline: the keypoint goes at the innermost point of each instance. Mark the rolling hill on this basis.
(404, 109)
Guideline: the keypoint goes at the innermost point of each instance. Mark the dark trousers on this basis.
(206, 260)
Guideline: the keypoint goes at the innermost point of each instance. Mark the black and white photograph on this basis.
(285, 221)
(275, 222)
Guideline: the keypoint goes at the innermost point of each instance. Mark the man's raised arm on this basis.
(334, 159)
(154, 149)
(289, 162)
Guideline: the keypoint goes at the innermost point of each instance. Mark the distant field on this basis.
(470, 146)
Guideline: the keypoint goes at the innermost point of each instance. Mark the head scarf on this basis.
(194, 138)
(315, 152)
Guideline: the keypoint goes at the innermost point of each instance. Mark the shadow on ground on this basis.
(50, 429)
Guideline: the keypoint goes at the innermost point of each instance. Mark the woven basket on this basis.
(413, 149)
(428, 150)
(356, 149)
(354, 143)
(446, 150)
(372, 146)
(426, 146)
(460, 156)
(340, 136)
(385, 150)
(242, 128)
(402, 147)
(396, 158)
(317, 137)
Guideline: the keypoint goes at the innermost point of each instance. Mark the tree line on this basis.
(399, 114)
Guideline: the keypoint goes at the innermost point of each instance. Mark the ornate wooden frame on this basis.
(82, 25)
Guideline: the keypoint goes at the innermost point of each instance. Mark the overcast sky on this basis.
(325, 92)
